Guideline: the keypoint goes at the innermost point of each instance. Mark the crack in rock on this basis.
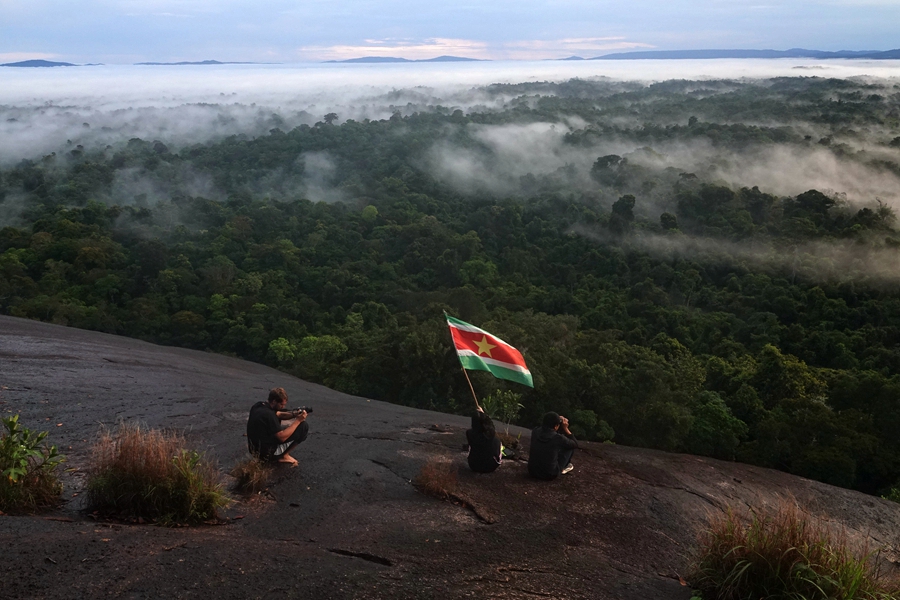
(388, 467)
(485, 518)
(523, 570)
(390, 439)
(363, 555)
(533, 593)
(681, 488)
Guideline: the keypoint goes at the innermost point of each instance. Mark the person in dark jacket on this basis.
(267, 438)
(485, 449)
(552, 447)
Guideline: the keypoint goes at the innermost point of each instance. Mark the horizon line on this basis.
(451, 58)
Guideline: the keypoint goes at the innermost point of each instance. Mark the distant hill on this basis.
(886, 55)
(792, 53)
(395, 59)
(38, 63)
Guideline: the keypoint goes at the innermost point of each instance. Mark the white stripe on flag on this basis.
(492, 361)
(473, 329)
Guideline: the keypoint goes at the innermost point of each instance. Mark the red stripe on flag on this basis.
(465, 340)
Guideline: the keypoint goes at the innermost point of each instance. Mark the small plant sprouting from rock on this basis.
(148, 473)
(503, 405)
(893, 494)
(27, 468)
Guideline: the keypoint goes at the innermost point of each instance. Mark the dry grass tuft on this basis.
(149, 473)
(251, 475)
(437, 478)
(786, 555)
(508, 440)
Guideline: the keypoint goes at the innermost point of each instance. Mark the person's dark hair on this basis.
(551, 420)
(484, 423)
(277, 394)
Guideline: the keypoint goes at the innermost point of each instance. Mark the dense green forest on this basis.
(657, 305)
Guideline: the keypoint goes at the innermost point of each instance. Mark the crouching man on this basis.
(267, 439)
(552, 447)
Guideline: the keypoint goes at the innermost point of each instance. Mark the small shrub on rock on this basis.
(27, 468)
(503, 405)
(148, 473)
(785, 555)
(893, 494)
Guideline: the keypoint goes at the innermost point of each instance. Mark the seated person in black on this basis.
(266, 438)
(484, 445)
(552, 447)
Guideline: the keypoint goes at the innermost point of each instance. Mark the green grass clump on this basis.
(27, 468)
(786, 556)
(148, 473)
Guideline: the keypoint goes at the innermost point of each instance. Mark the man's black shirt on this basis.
(262, 425)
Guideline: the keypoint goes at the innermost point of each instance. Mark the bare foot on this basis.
(290, 460)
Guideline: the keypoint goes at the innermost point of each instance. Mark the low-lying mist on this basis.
(833, 261)
(506, 153)
(42, 109)
(505, 130)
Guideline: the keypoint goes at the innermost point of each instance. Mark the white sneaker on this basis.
(569, 467)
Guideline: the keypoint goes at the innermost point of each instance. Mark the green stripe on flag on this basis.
(474, 363)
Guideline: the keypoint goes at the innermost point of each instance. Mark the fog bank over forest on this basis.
(52, 111)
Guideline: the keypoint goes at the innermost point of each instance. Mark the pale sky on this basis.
(128, 31)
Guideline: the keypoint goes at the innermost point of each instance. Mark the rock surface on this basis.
(347, 523)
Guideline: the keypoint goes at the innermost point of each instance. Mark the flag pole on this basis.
(466, 373)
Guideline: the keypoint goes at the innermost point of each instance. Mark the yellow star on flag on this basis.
(484, 346)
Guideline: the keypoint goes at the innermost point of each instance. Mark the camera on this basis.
(297, 411)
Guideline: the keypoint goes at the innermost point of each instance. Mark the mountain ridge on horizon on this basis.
(893, 54)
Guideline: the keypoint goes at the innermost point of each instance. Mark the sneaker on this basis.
(569, 467)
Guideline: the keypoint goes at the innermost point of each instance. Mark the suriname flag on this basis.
(478, 350)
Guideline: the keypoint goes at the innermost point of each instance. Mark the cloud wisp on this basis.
(428, 48)
(394, 48)
(507, 153)
(820, 261)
